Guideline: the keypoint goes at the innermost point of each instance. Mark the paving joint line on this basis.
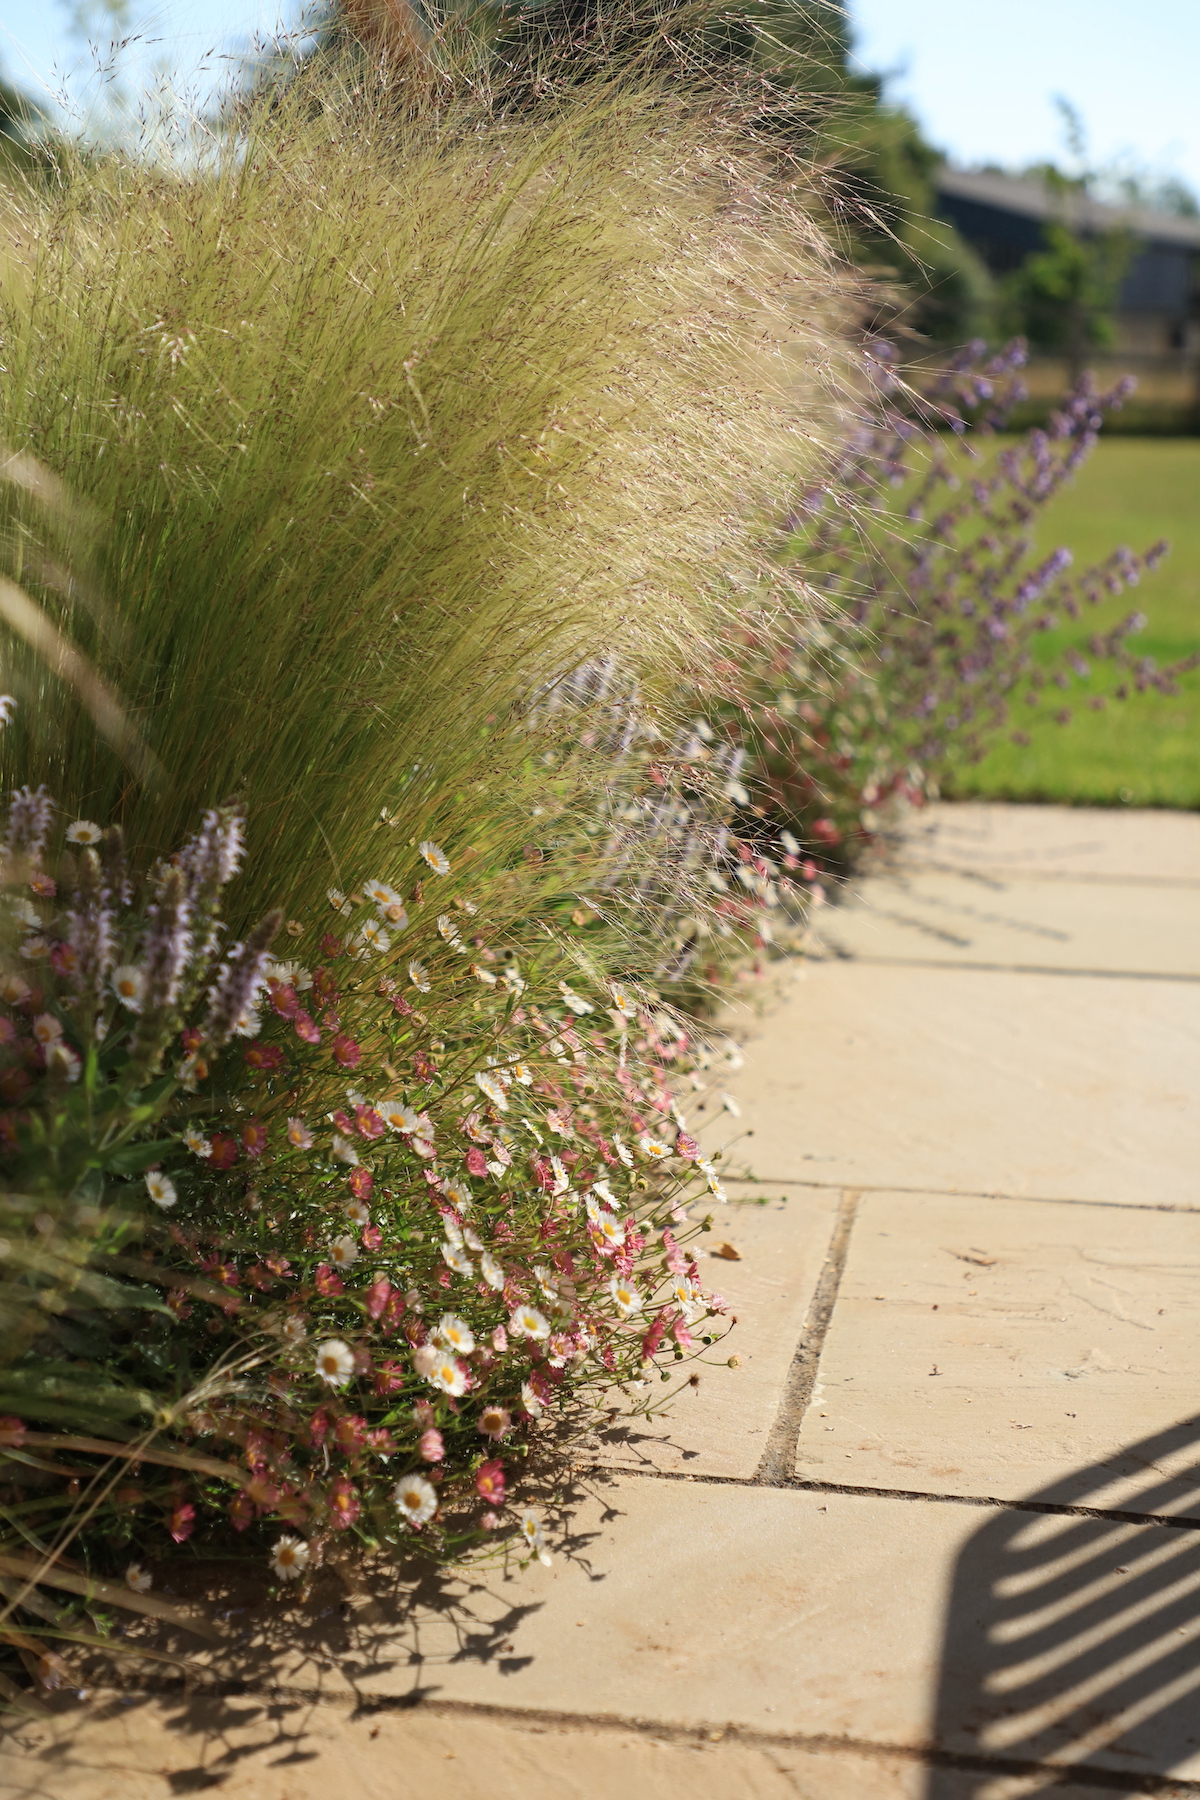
(364, 1706)
(892, 1187)
(779, 1453)
(805, 1484)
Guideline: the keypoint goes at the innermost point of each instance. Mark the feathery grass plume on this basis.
(393, 410)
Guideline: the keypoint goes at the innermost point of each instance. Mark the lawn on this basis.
(1146, 750)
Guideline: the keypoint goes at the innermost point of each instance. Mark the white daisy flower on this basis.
(289, 1558)
(611, 1229)
(24, 911)
(196, 1142)
(62, 1060)
(495, 1422)
(293, 1329)
(622, 1151)
(342, 1150)
(458, 1194)
(562, 1180)
(453, 1231)
(372, 936)
(136, 1577)
(684, 1292)
(128, 984)
(13, 990)
(247, 1024)
(397, 1116)
(789, 843)
(8, 707)
(298, 1135)
(447, 1376)
(578, 1005)
(653, 1147)
(357, 1211)
(522, 1072)
(335, 1362)
(491, 1271)
(83, 831)
(531, 1531)
(288, 974)
(625, 1295)
(492, 1089)
(418, 974)
(448, 930)
(343, 1251)
(454, 1334)
(339, 902)
(545, 1279)
(435, 856)
(416, 1499)
(46, 1029)
(161, 1190)
(530, 1401)
(604, 1192)
(528, 1322)
(715, 1188)
(513, 980)
(481, 974)
(457, 1259)
(380, 894)
(623, 1001)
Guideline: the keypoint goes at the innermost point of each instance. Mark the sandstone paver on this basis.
(721, 1426)
(153, 1748)
(1072, 1088)
(1103, 844)
(1004, 922)
(996, 1346)
(829, 1618)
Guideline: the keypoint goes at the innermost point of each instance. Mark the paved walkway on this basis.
(938, 1537)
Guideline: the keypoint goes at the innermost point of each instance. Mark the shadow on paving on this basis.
(1075, 1641)
(373, 1636)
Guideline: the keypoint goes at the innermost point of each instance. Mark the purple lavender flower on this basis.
(232, 995)
(29, 815)
(90, 927)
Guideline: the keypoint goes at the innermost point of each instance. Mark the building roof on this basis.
(1035, 199)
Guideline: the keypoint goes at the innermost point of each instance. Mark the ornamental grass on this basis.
(342, 1145)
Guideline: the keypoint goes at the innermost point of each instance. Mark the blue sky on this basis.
(981, 78)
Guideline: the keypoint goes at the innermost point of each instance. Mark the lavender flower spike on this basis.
(232, 994)
(90, 930)
(168, 944)
(28, 822)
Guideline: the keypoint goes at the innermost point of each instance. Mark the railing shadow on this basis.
(1073, 1641)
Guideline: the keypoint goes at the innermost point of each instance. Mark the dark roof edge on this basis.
(1034, 199)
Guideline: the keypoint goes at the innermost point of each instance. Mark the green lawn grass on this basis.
(1144, 751)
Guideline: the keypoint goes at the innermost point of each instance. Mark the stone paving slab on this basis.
(997, 1347)
(721, 1427)
(1006, 922)
(831, 1618)
(1099, 843)
(151, 1748)
(876, 1076)
(154, 1748)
